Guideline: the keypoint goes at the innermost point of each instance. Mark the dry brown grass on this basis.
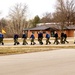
(28, 49)
(20, 50)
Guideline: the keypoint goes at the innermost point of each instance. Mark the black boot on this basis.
(23, 44)
(2, 43)
(14, 43)
(49, 42)
(31, 43)
(18, 43)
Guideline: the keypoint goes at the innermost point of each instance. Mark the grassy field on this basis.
(29, 49)
(22, 49)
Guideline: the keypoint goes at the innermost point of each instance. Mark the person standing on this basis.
(62, 38)
(40, 37)
(1, 38)
(47, 38)
(24, 36)
(32, 39)
(16, 36)
(65, 37)
(56, 38)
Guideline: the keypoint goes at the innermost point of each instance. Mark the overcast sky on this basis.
(35, 7)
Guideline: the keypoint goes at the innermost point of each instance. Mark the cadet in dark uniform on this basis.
(62, 38)
(47, 38)
(1, 38)
(65, 37)
(32, 39)
(40, 37)
(24, 36)
(16, 39)
(56, 38)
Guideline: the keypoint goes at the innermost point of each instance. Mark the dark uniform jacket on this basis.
(47, 36)
(62, 34)
(32, 36)
(1, 36)
(16, 36)
(40, 35)
(24, 36)
(56, 35)
(65, 36)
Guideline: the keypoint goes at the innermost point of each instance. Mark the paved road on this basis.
(56, 62)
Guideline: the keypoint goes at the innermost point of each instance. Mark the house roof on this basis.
(51, 26)
(40, 28)
(43, 27)
(71, 27)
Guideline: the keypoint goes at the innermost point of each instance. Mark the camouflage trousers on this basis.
(65, 40)
(16, 41)
(24, 41)
(40, 41)
(62, 40)
(32, 42)
(47, 41)
(56, 41)
(1, 40)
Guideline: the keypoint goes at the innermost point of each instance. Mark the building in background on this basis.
(51, 27)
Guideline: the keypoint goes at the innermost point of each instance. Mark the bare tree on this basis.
(70, 10)
(47, 17)
(65, 12)
(17, 16)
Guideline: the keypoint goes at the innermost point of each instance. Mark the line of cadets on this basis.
(40, 38)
